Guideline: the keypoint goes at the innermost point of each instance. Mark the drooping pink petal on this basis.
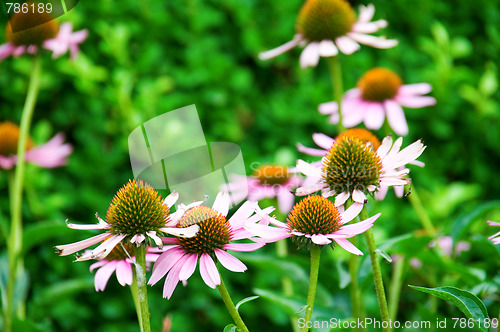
(396, 117)
(381, 192)
(7, 162)
(415, 102)
(188, 267)
(358, 196)
(164, 263)
(399, 191)
(341, 198)
(208, 271)
(51, 154)
(308, 169)
(346, 45)
(221, 203)
(6, 50)
(493, 223)
(181, 232)
(310, 55)
(285, 201)
(385, 147)
(97, 264)
(172, 278)
(67, 249)
(243, 246)
(229, 261)
(415, 89)
(352, 212)
(331, 107)
(320, 239)
(373, 41)
(171, 199)
(327, 48)
(103, 250)
(281, 49)
(374, 118)
(310, 151)
(344, 243)
(124, 273)
(103, 274)
(265, 232)
(366, 13)
(87, 227)
(323, 140)
(311, 188)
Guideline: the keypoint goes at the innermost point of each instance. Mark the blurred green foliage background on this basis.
(145, 58)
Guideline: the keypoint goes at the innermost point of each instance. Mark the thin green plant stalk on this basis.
(134, 290)
(416, 203)
(338, 87)
(395, 287)
(15, 244)
(377, 273)
(230, 307)
(313, 284)
(357, 311)
(142, 294)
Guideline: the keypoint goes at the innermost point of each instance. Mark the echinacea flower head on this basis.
(353, 168)
(495, 238)
(216, 235)
(49, 155)
(27, 32)
(315, 220)
(327, 26)
(380, 93)
(267, 181)
(136, 213)
(120, 262)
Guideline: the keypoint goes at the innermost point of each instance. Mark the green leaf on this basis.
(384, 254)
(230, 328)
(245, 300)
(463, 222)
(290, 306)
(468, 303)
(344, 276)
(63, 289)
(41, 232)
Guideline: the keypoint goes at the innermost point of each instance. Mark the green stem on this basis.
(338, 88)
(230, 307)
(15, 243)
(395, 288)
(416, 203)
(313, 283)
(354, 292)
(135, 296)
(142, 294)
(377, 273)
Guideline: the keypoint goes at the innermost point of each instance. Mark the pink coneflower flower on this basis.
(120, 262)
(135, 214)
(216, 235)
(352, 168)
(268, 181)
(445, 243)
(380, 94)
(495, 238)
(315, 220)
(49, 155)
(327, 26)
(326, 142)
(25, 36)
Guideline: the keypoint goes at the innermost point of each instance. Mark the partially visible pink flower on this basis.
(317, 220)
(216, 236)
(118, 261)
(136, 214)
(415, 263)
(495, 238)
(268, 181)
(327, 26)
(366, 170)
(380, 94)
(52, 154)
(66, 40)
(445, 243)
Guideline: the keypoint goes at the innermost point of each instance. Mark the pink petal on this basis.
(352, 212)
(221, 203)
(381, 192)
(103, 274)
(7, 162)
(415, 102)
(172, 278)
(243, 246)
(6, 50)
(366, 13)
(171, 199)
(323, 140)
(281, 49)
(97, 264)
(229, 261)
(181, 232)
(265, 231)
(396, 117)
(308, 169)
(124, 273)
(67, 249)
(358, 196)
(208, 271)
(311, 188)
(164, 263)
(344, 243)
(373, 41)
(492, 223)
(285, 201)
(375, 116)
(341, 198)
(310, 151)
(310, 55)
(320, 239)
(52, 154)
(238, 219)
(346, 45)
(415, 89)
(327, 48)
(188, 267)
(331, 107)
(399, 191)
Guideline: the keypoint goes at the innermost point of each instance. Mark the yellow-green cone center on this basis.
(31, 28)
(9, 138)
(136, 209)
(325, 19)
(269, 175)
(214, 232)
(362, 134)
(379, 84)
(350, 165)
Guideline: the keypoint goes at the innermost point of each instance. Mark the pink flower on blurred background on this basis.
(380, 94)
(318, 220)
(445, 243)
(49, 35)
(268, 181)
(327, 26)
(52, 154)
(495, 238)
(216, 235)
(120, 262)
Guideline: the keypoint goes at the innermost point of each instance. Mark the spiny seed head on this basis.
(269, 175)
(325, 19)
(136, 209)
(117, 254)
(362, 134)
(214, 232)
(313, 215)
(379, 84)
(9, 138)
(351, 164)
(31, 28)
